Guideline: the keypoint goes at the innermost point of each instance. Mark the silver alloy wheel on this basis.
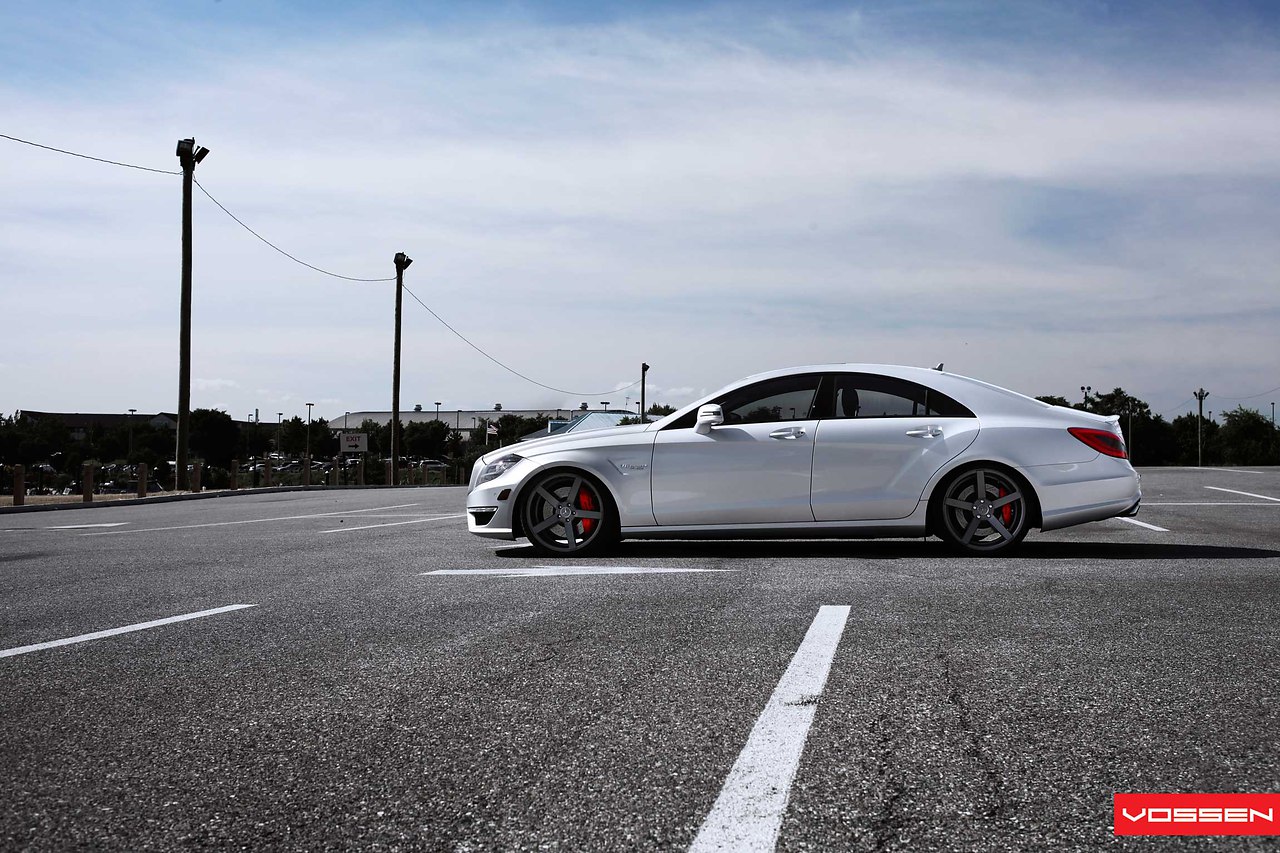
(983, 510)
(566, 513)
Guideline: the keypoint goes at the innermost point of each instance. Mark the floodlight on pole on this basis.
(1200, 394)
(644, 370)
(309, 405)
(132, 412)
(189, 154)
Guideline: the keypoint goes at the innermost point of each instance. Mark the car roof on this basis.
(973, 393)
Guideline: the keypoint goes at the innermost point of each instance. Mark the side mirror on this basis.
(708, 416)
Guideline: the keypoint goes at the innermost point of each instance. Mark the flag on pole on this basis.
(492, 430)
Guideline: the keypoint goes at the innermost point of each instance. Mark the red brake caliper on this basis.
(1006, 511)
(585, 502)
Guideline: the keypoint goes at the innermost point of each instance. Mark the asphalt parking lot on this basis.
(355, 671)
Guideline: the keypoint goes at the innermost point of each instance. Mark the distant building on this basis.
(466, 420)
(78, 424)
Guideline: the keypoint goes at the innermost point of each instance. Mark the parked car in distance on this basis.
(839, 450)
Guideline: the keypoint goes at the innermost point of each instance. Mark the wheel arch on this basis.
(940, 481)
(521, 492)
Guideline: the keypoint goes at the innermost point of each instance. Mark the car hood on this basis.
(535, 446)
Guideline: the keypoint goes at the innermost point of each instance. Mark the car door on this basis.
(885, 439)
(754, 468)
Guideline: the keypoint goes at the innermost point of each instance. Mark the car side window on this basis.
(787, 398)
(865, 395)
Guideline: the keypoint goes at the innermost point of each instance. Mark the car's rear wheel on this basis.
(568, 514)
(983, 510)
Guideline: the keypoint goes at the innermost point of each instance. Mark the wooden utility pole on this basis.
(402, 263)
(189, 154)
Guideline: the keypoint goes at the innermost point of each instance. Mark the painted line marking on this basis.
(1204, 468)
(1202, 503)
(85, 526)
(392, 524)
(249, 521)
(1144, 524)
(559, 571)
(111, 632)
(748, 813)
(1246, 494)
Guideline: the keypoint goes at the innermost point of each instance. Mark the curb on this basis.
(200, 496)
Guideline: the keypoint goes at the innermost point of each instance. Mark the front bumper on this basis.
(491, 510)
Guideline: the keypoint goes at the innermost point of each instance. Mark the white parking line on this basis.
(111, 632)
(1246, 494)
(391, 524)
(86, 526)
(1203, 503)
(560, 571)
(248, 521)
(748, 813)
(1144, 524)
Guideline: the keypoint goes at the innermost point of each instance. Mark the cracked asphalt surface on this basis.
(972, 704)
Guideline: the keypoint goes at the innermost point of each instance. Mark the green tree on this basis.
(425, 438)
(214, 436)
(1184, 431)
(511, 428)
(1247, 438)
(660, 410)
(293, 436)
(324, 444)
(1055, 400)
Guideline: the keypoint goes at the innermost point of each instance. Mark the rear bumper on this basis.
(1080, 493)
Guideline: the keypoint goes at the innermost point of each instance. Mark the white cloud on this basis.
(618, 194)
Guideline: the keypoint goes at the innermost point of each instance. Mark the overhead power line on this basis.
(87, 157)
(277, 248)
(298, 260)
(512, 370)
(1249, 397)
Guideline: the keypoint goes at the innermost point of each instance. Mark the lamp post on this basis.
(437, 410)
(309, 405)
(402, 262)
(604, 404)
(1085, 389)
(132, 412)
(644, 370)
(279, 424)
(189, 154)
(1200, 394)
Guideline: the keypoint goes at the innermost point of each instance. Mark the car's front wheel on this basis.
(983, 511)
(567, 514)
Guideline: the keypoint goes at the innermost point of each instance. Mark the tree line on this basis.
(1240, 436)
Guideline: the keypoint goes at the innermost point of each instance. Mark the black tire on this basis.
(568, 514)
(983, 510)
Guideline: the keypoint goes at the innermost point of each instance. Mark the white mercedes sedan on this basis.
(837, 450)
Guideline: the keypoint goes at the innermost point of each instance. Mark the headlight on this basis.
(497, 468)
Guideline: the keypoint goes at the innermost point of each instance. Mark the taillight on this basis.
(1101, 440)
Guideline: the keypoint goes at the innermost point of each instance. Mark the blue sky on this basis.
(1040, 195)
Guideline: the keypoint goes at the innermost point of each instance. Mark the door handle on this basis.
(788, 433)
(925, 432)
